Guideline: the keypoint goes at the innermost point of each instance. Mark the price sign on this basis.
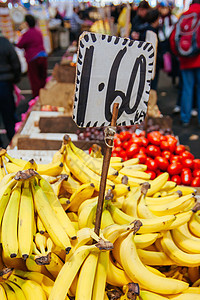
(112, 70)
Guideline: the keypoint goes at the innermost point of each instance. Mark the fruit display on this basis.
(149, 241)
(160, 153)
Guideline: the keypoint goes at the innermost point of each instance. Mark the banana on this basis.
(185, 240)
(25, 222)
(55, 265)
(87, 215)
(41, 242)
(143, 209)
(148, 225)
(17, 290)
(100, 276)
(70, 185)
(92, 163)
(2, 293)
(68, 273)
(57, 185)
(45, 282)
(174, 207)
(162, 200)
(30, 288)
(192, 290)
(194, 225)
(106, 219)
(49, 218)
(181, 219)
(10, 223)
(40, 226)
(136, 270)
(59, 155)
(176, 254)
(184, 189)
(32, 266)
(144, 240)
(168, 186)
(129, 205)
(82, 172)
(154, 258)
(86, 277)
(130, 162)
(10, 295)
(146, 295)
(115, 275)
(120, 190)
(157, 183)
(84, 192)
(186, 296)
(2, 170)
(131, 172)
(16, 262)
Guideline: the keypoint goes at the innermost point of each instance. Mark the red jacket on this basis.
(186, 62)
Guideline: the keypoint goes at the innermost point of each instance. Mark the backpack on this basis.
(187, 35)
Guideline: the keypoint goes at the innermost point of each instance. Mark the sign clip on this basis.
(109, 134)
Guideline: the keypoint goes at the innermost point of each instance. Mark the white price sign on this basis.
(112, 70)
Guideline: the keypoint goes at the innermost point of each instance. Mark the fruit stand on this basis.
(147, 245)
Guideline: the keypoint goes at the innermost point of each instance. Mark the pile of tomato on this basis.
(161, 153)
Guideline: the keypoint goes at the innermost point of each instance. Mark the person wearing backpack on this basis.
(185, 43)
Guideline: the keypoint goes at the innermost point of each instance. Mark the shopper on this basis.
(32, 42)
(190, 69)
(75, 25)
(139, 20)
(10, 71)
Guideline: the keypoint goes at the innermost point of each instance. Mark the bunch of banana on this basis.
(28, 201)
(22, 285)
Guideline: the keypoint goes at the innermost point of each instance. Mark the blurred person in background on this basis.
(32, 42)
(75, 25)
(138, 21)
(189, 64)
(10, 71)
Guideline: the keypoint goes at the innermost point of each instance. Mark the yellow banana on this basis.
(40, 226)
(84, 192)
(32, 266)
(157, 183)
(17, 290)
(2, 293)
(92, 163)
(2, 170)
(70, 185)
(30, 288)
(144, 240)
(176, 254)
(146, 295)
(41, 242)
(131, 172)
(162, 200)
(168, 186)
(130, 162)
(81, 171)
(86, 277)
(59, 155)
(129, 205)
(194, 225)
(120, 190)
(87, 215)
(174, 207)
(100, 276)
(184, 189)
(49, 218)
(185, 240)
(10, 294)
(68, 273)
(154, 258)
(26, 219)
(55, 265)
(10, 223)
(143, 209)
(106, 219)
(181, 219)
(186, 296)
(136, 270)
(149, 225)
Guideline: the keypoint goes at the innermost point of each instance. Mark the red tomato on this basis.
(187, 154)
(151, 164)
(114, 154)
(126, 144)
(125, 135)
(142, 157)
(117, 149)
(144, 141)
(174, 168)
(196, 163)
(187, 163)
(176, 178)
(166, 154)
(186, 170)
(158, 172)
(137, 140)
(153, 150)
(196, 173)
(151, 173)
(132, 150)
(162, 163)
(164, 145)
(186, 178)
(163, 138)
(195, 181)
(179, 149)
(175, 158)
(117, 142)
(123, 154)
(142, 150)
(154, 137)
